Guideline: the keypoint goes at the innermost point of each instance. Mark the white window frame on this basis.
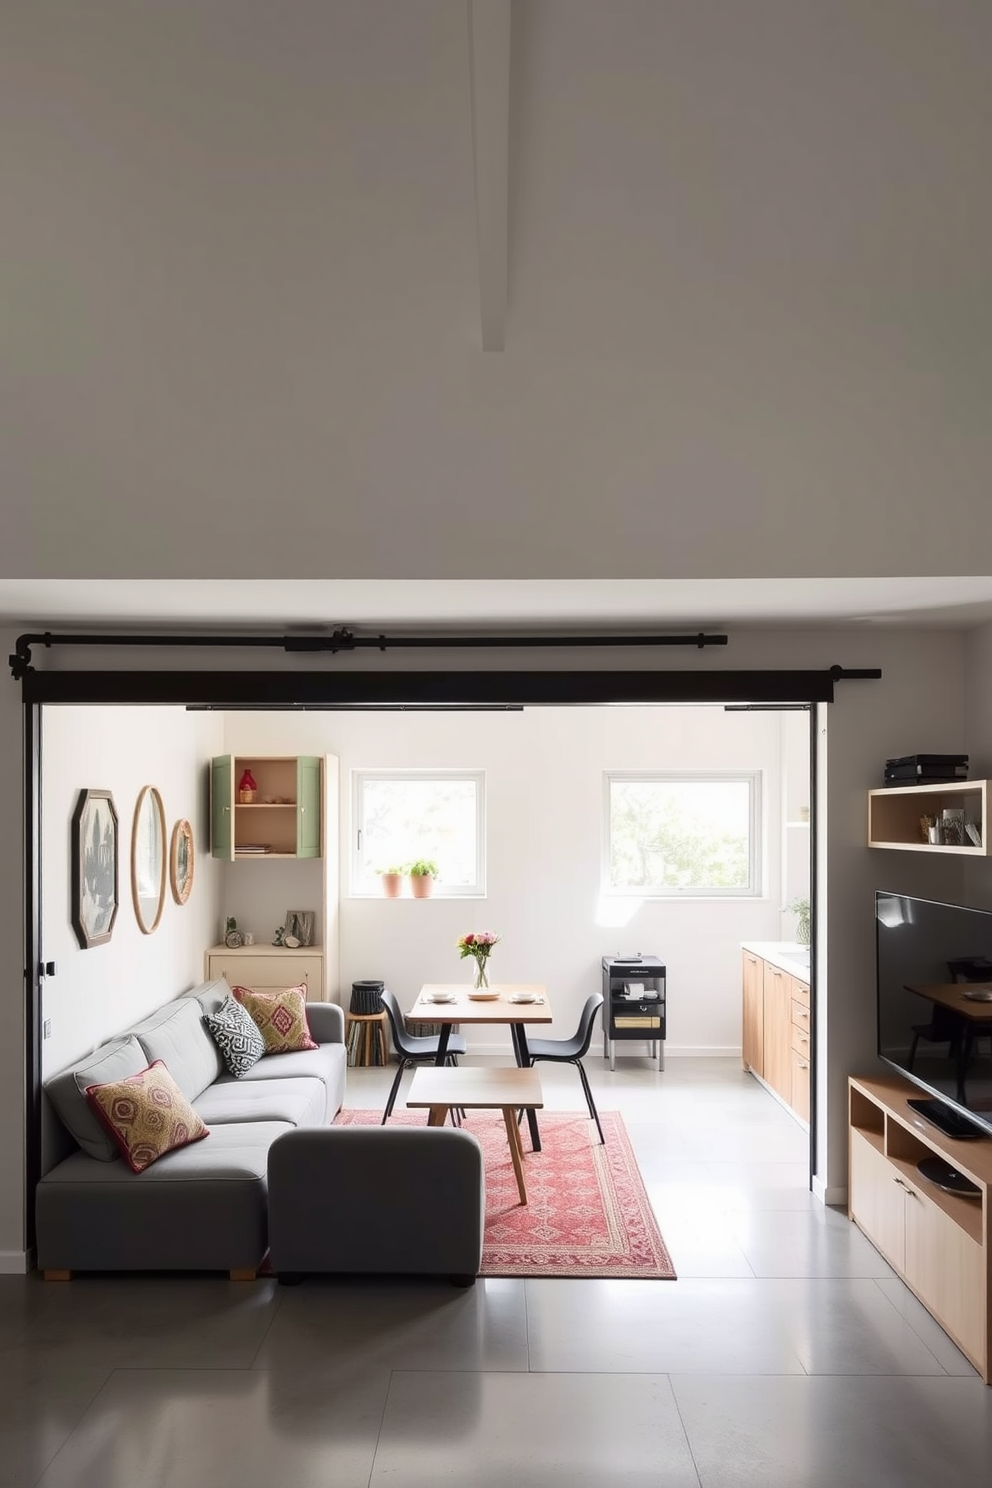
(359, 889)
(753, 778)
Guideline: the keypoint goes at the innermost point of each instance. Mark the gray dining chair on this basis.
(571, 1051)
(412, 1050)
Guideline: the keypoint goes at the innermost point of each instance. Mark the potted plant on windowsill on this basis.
(422, 875)
(392, 880)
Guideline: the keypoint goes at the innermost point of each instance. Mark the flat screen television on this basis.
(934, 1003)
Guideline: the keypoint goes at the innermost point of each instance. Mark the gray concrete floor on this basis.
(787, 1353)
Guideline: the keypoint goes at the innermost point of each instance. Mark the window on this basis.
(682, 834)
(402, 815)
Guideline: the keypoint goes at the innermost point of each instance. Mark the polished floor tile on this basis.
(657, 1328)
(396, 1324)
(39, 1408)
(216, 1428)
(819, 1242)
(947, 1353)
(143, 1322)
(846, 1326)
(493, 1430)
(838, 1431)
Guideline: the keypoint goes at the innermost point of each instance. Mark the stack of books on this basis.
(926, 769)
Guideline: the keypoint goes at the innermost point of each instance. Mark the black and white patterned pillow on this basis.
(236, 1035)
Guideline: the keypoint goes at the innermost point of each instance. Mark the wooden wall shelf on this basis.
(894, 816)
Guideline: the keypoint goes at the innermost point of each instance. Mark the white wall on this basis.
(544, 783)
(103, 989)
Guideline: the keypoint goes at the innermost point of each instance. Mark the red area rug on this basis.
(587, 1214)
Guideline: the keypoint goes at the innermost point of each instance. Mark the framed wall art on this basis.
(181, 861)
(94, 867)
(148, 859)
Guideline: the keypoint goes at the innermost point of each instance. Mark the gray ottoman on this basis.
(375, 1199)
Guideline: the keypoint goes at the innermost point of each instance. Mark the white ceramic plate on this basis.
(442, 998)
(523, 997)
(484, 996)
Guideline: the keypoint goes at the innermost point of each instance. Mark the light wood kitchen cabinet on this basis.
(940, 1243)
(777, 1030)
(776, 1042)
(752, 1042)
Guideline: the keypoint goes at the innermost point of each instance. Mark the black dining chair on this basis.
(571, 1051)
(412, 1050)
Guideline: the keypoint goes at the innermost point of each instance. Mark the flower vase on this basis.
(481, 977)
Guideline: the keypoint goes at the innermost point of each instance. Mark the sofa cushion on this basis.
(147, 1115)
(67, 1092)
(198, 1208)
(302, 1101)
(327, 1064)
(237, 1036)
(176, 1035)
(281, 1017)
(211, 995)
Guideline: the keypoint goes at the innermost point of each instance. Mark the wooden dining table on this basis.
(466, 1007)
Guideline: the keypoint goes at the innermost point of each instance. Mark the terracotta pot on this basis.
(392, 884)
(422, 885)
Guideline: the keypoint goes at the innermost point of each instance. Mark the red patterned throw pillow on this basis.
(147, 1115)
(281, 1018)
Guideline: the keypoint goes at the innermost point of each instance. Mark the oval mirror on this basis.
(148, 859)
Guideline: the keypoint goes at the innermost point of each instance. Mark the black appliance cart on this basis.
(640, 1017)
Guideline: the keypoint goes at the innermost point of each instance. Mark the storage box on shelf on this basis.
(894, 814)
(940, 1243)
(282, 820)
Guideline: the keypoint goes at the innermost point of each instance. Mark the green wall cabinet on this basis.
(278, 818)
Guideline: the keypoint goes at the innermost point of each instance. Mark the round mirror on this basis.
(148, 859)
(181, 861)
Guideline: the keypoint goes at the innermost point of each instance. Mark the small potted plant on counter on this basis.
(392, 880)
(800, 908)
(422, 875)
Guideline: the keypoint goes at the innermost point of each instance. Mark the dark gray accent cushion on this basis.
(302, 1101)
(237, 1036)
(176, 1035)
(67, 1092)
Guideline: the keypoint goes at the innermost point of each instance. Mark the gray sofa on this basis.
(272, 1171)
(202, 1207)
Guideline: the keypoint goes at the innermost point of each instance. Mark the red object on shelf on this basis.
(247, 781)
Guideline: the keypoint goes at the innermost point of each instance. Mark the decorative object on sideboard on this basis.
(181, 860)
(277, 939)
(423, 872)
(94, 868)
(247, 789)
(298, 927)
(233, 938)
(148, 859)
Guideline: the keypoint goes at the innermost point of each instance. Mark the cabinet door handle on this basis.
(804, 1014)
(802, 1064)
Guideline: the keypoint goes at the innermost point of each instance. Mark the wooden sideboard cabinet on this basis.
(938, 1242)
(267, 968)
(775, 1042)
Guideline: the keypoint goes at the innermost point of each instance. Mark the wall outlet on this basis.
(46, 1028)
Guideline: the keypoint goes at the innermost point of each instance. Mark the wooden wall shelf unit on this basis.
(283, 819)
(940, 1243)
(894, 815)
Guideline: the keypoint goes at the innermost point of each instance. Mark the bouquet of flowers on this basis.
(479, 945)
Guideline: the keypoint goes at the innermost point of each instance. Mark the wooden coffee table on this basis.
(471, 1089)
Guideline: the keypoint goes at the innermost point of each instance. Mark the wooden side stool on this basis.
(365, 1038)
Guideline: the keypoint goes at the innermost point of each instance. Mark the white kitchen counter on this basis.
(788, 955)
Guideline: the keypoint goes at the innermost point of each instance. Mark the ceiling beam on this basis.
(489, 75)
